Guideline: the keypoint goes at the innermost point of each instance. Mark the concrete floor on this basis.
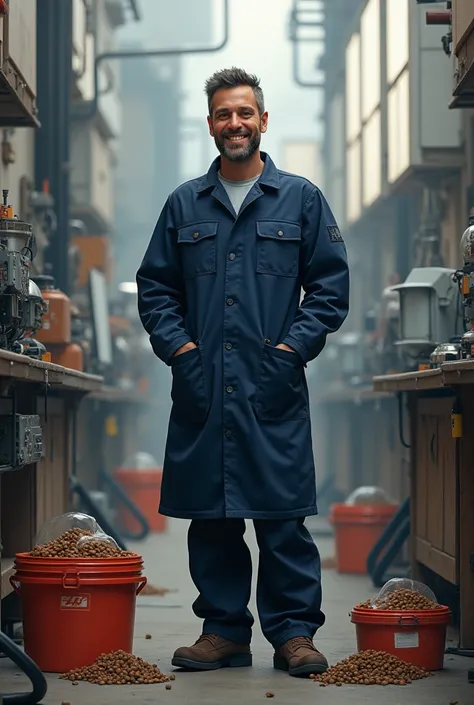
(171, 622)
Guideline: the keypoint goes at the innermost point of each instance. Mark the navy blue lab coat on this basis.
(239, 438)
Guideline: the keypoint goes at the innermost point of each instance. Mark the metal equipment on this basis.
(465, 278)
(21, 441)
(21, 303)
(56, 331)
(429, 314)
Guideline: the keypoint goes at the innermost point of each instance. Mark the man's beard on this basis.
(238, 154)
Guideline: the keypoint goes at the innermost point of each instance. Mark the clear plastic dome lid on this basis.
(88, 544)
(56, 527)
(368, 495)
(404, 593)
(140, 461)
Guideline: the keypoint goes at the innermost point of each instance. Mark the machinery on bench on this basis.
(21, 303)
(21, 312)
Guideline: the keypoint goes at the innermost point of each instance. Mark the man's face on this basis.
(235, 123)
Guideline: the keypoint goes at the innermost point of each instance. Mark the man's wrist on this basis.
(284, 346)
(185, 348)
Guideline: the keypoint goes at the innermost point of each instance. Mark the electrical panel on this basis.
(21, 441)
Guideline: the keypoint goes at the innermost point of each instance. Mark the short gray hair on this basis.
(231, 78)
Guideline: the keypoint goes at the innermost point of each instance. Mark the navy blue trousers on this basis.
(288, 583)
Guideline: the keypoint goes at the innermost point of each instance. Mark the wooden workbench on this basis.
(34, 494)
(356, 440)
(442, 480)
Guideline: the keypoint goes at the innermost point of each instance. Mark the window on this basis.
(353, 98)
(353, 181)
(372, 159)
(399, 127)
(370, 55)
(398, 46)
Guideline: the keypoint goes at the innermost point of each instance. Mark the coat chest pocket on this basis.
(278, 247)
(197, 245)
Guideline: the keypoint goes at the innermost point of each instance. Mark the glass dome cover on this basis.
(380, 601)
(368, 495)
(140, 461)
(57, 526)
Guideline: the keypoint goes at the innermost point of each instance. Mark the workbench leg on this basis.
(466, 522)
(412, 406)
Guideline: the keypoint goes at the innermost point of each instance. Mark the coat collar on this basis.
(269, 176)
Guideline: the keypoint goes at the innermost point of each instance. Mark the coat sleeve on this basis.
(161, 289)
(325, 280)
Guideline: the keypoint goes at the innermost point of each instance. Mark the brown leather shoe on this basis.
(211, 652)
(299, 657)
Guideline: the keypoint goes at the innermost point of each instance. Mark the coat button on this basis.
(229, 389)
(195, 235)
(229, 302)
(280, 233)
(228, 346)
(228, 433)
(232, 256)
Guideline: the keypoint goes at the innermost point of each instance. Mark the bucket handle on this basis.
(70, 576)
(15, 584)
(141, 585)
(408, 620)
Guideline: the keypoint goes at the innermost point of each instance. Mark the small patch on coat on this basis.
(334, 233)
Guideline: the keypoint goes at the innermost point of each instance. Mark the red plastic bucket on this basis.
(418, 636)
(74, 609)
(357, 528)
(144, 489)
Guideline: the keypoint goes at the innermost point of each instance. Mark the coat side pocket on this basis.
(188, 389)
(281, 390)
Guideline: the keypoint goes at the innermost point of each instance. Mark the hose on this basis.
(29, 668)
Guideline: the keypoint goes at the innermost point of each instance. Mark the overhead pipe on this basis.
(296, 41)
(135, 10)
(439, 18)
(91, 108)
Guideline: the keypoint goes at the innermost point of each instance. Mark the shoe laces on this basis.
(211, 639)
(299, 642)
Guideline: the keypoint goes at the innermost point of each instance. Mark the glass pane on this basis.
(353, 181)
(370, 46)
(399, 127)
(353, 98)
(397, 37)
(372, 165)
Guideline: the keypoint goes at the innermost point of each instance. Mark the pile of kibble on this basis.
(402, 599)
(371, 668)
(66, 546)
(118, 668)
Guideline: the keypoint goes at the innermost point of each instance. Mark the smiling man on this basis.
(219, 294)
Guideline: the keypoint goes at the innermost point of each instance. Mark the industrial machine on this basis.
(430, 314)
(465, 278)
(55, 333)
(21, 440)
(21, 304)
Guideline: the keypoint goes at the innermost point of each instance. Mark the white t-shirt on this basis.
(237, 190)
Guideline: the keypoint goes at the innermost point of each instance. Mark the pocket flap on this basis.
(278, 230)
(197, 231)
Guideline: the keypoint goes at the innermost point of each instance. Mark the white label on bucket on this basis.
(407, 640)
(75, 602)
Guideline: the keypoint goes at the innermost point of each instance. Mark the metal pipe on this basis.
(295, 41)
(90, 109)
(52, 150)
(135, 10)
(439, 18)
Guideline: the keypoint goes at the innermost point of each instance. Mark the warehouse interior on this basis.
(101, 118)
